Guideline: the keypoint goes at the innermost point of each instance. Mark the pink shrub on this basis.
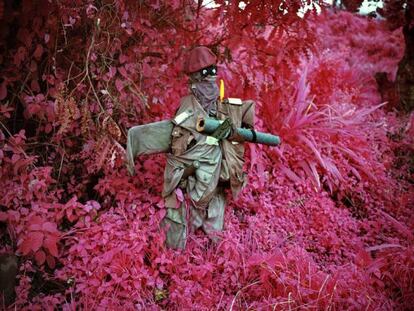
(41, 239)
(325, 222)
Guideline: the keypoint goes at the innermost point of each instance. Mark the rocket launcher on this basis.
(211, 126)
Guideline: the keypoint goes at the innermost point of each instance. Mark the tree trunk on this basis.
(405, 73)
(8, 272)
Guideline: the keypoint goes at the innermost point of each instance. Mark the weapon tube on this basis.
(209, 125)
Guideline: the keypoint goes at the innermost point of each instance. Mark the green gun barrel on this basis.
(209, 125)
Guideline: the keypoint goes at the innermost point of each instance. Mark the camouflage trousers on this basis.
(178, 225)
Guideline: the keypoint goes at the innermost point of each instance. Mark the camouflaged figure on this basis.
(200, 166)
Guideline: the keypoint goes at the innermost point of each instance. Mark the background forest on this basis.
(326, 222)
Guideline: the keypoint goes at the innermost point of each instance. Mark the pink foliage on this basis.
(325, 222)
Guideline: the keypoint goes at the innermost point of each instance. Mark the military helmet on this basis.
(198, 58)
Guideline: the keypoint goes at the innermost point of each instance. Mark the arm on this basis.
(248, 115)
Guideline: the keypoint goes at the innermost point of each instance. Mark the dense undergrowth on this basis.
(326, 221)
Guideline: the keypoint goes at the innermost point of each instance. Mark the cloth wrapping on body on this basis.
(200, 187)
(223, 160)
(147, 139)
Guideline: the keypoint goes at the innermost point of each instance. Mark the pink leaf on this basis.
(25, 247)
(403, 229)
(312, 147)
(50, 227)
(51, 245)
(32, 242)
(290, 174)
(315, 174)
(36, 240)
(51, 262)
(36, 220)
(35, 227)
(383, 246)
(40, 257)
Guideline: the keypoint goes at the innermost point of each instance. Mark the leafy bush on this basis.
(325, 221)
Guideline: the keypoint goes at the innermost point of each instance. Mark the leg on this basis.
(197, 218)
(176, 224)
(215, 213)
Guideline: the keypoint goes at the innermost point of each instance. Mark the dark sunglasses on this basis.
(209, 71)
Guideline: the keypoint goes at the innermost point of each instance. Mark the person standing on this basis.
(200, 166)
